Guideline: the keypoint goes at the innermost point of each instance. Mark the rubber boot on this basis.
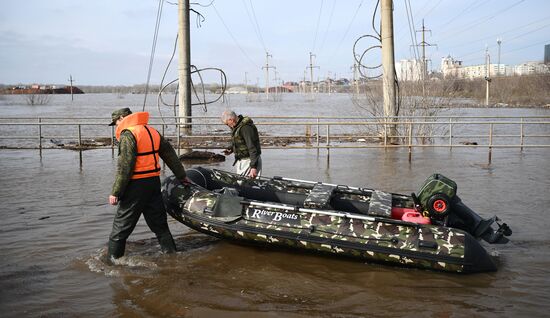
(167, 244)
(116, 249)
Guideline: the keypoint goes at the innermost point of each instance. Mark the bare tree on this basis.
(37, 99)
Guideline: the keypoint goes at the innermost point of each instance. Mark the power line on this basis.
(510, 39)
(233, 37)
(483, 20)
(257, 24)
(411, 28)
(317, 27)
(347, 30)
(426, 14)
(506, 32)
(328, 25)
(153, 48)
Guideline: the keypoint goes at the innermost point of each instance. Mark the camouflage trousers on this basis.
(242, 166)
(142, 196)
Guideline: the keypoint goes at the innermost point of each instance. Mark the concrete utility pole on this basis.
(184, 66)
(355, 81)
(424, 60)
(388, 63)
(246, 82)
(329, 82)
(311, 67)
(499, 41)
(71, 81)
(487, 74)
(267, 67)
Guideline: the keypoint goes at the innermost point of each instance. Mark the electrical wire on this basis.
(153, 48)
(317, 26)
(346, 32)
(328, 25)
(411, 29)
(233, 37)
(481, 21)
(257, 25)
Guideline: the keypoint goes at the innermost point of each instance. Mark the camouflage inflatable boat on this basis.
(432, 229)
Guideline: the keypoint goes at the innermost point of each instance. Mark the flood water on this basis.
(56, 223)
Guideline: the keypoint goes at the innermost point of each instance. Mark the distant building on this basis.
(409, 70)
(530, 68)
(236, 90)
(450, 68)
(547, 54)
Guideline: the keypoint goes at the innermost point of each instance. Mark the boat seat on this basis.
(380, 204)
(319, 197)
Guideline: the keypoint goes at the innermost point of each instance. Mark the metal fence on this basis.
(292, 132)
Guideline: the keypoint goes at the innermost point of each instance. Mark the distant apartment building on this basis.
(530, 68)
(409, 70)
(451, 68)
(547, 54)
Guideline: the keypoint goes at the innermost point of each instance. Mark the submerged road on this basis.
(56, 222)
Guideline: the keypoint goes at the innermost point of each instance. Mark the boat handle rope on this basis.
(312, 228)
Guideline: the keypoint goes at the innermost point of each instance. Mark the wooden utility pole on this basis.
(311, 67)
(184, 66)
(267, 67)
(71, 81)
(388, 65)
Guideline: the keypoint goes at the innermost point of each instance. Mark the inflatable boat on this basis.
(430, 229)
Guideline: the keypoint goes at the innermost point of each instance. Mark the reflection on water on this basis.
(56, 222)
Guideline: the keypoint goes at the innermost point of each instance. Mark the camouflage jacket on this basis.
(127, 149)
(246, 141)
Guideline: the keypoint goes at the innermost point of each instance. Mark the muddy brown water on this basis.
(56, 221)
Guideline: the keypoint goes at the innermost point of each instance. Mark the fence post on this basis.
(385, 134)
(178, 138)
(113, 138)
(328, 136)
(410, 141)
(40, 136)
(450, 133)
(521, 135)
(79, 137)
(318, 132)
(490, 141)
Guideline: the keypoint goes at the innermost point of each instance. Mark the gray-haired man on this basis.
(245, 144)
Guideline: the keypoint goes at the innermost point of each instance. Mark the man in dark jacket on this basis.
(245, 143)
(136, 188)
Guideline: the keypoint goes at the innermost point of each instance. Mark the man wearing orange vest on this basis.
(136, 188)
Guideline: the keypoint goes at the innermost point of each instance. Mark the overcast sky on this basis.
(108, 42)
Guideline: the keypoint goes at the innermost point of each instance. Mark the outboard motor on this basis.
(438, 200)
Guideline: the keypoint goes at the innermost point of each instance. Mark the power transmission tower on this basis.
(424, 63)
(311, 67)
(267, 67)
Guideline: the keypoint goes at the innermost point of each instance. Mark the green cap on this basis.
(118, 113)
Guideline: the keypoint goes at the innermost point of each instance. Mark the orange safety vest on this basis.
(147, 141)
